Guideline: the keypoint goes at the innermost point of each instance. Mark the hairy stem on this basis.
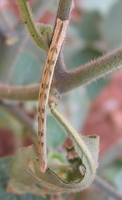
(27, 17)
(24, 93)
(69, 80)
(89, 72)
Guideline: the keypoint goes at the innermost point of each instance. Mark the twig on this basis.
(24, 93)
(68, 80)
(110, 155)
(108, 189)
(89, 72)
(63, 13)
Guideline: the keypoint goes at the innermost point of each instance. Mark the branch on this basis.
(108, 189)
(63, 13)
(64, 9)
(24, 93)
(68, 80)
(31, 92)
(89, 72)
(27, 17)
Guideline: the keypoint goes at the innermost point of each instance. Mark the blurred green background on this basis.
(94, 30)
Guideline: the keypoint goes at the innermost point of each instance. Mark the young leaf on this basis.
(25, 172)
(45, 30)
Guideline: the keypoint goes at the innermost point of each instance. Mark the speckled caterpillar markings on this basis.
(57, 41)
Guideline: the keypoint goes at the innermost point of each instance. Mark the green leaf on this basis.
(95, 88)
(118, 181)
(83, 56)
(45, 30)
(87, 148)
(112, 26)
(4, 178)
(102, 6)
(24, 170)
(26, 71)
(4, 163)
(113, 173)
(4, 118)
(76, 104)
(55, 134)
(89, 28)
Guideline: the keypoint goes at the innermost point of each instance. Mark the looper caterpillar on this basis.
(57, 41)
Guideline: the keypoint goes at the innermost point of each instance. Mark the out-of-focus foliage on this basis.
(112, 28)
(7, 193)
(95, 29)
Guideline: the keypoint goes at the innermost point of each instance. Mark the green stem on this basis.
(30, 24)
(68, 80)
(24, 93)
(64, 9)
(89, 72)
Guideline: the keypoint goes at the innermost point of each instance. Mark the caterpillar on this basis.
(57, 41)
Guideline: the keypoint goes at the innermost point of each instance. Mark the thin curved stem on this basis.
(27, 17)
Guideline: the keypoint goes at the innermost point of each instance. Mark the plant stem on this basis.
(27, 17)
(89, 72)
(106, 188)
(64, 9)
(24, 93)
(69, 80)
(63, 13)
